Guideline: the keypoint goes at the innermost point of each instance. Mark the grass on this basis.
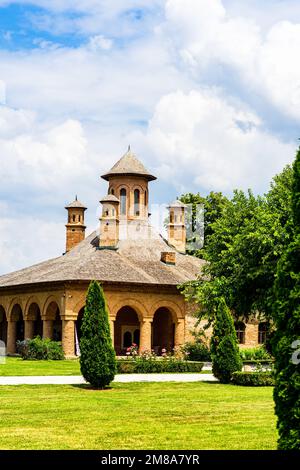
(137, 416)
(15, 366)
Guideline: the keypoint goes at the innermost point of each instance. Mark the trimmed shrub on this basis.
(286, 314)
(40, 349)
(197, 351)
(253, 379)
(97, 355)
(224, 346)
(128, 366)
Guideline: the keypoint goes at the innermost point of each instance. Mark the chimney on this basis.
(168, 257)
(109, 222)
(75, 232)
(176, 226)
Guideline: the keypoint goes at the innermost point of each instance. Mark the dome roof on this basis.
(129, 165)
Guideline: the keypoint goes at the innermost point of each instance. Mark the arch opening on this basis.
(17, 316)
(34, 314)
(163, 331)
(126, 330)
(3, 325)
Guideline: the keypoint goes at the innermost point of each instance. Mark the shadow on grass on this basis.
(89, 387)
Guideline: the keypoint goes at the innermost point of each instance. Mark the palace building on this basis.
(139, 270)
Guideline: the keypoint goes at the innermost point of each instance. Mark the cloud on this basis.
(205, 35)
(100, 42)
(200, 140)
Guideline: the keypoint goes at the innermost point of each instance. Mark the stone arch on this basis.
(140, 309)
(32, 300)
(3, 324)
(17, 317)
(34, 315)
(15, 301)
(173, 307)
(126, 328)
(163, 330)
(52, 319)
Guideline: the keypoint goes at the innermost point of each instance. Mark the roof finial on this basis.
(76, 198)
(129, 148)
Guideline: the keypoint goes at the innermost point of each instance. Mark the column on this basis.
(47, 329)
(112, 329)
(179, 332)
(29, 329)
(145, 334)
(68, 338)
(11, 337)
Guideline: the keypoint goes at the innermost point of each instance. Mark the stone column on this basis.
(112, 329)
(47, 329)
(145, 334)
(179, 332)
(11, 337)
(29, 329)
(68, 338)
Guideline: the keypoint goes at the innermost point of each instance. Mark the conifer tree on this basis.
(97, 355)
(287, 322)
(225, 354)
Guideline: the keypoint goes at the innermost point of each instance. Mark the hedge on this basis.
(128, 366)
(40, 349)
(253, 379)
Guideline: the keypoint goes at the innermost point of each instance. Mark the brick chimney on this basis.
(109, 222)
(75, 232)
(176, 226)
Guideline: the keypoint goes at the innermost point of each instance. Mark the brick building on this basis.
(139, 271)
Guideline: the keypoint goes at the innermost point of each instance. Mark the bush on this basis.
(40, 349)
(287, 324)
(140, 366)
(197, 351)
(255, 354)
(97, 355)
(253, 379)
(224, 347)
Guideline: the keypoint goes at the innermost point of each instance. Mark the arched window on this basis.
(79, 218)
(123, 200)
(111, 191)
(240, 328)
(262, 332)
(136, 202)
(74, 218)
(136, 337)
(146, 198)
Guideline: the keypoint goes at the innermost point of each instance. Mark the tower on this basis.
(109, 222)
(176, 226)
(128, 180)
(75, 232)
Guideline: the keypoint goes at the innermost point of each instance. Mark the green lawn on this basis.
(16, 366)
(137, 416)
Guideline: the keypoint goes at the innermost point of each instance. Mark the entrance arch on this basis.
(17, 317)
(34, 314)
(3, 325)
(52, 322)
(163, 334)
(126, 330)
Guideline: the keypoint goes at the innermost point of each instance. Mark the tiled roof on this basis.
(129, 164)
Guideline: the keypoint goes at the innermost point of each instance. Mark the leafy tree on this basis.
(242, 251)
(97, 359)
(213, 205)
(225, 353)
(287, 321)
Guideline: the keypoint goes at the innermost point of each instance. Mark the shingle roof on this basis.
(135, 261)
(109, 198)
(177, 203)
(76, 205)
(129, 164)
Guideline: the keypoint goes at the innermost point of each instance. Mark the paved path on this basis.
(125, 378)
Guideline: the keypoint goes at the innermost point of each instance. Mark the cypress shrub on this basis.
(287, 322)
(97, 355)
(224, 346)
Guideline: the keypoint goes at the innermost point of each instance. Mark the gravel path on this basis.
(124, 378)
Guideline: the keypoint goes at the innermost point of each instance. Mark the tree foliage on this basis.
(97, 355)
(246, 241)
(225, 353)
(286, 314)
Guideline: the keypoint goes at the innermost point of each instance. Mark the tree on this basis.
(242, 252)
(287, 321)
(225, 354)
(97, 355)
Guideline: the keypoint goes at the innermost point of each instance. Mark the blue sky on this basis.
(205, 91)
